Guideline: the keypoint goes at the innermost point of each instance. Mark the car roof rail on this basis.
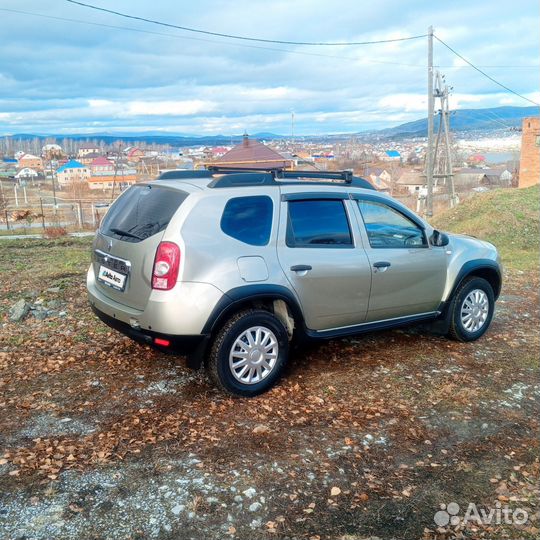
(230, 177)
(346, 175)
(243, 179)
(183, 174)
(238, 177)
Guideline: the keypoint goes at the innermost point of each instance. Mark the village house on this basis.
(251, 154)
(30, 161)
(218, 151)
(476, 160)
(497, 178)
(72, 172)
(100, 165)
(88, 158)
(391, 155)
(133, 154)
(470, 178)
(87, 148)
(412, 181)
(372, 173)
(27, 174)
(122, 180)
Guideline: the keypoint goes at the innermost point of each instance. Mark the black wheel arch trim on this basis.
(468, 269)
(233, 298)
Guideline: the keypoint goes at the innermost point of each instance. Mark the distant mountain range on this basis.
(150, 138)
(491, 119)
(495, 118)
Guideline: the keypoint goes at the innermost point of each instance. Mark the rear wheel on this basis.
(249, 353)
(471, 309)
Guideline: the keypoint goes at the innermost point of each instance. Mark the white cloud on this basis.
(405, 102)
(163, 108)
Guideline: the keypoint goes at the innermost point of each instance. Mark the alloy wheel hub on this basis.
(253, 355)
(474, 310)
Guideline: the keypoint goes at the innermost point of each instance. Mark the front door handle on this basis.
(381, 266)
(301, 268)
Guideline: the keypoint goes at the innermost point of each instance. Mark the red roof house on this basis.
(251, 154)
(101, 164)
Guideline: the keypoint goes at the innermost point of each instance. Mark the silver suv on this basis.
(232, 267)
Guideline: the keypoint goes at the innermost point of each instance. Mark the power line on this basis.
(484, 73)
(191, 38)
(488, 120)
(492, 66)
(244, 38)
(243, 45)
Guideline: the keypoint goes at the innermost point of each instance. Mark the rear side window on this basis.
(318, 223)
(141, 211)
(248, 219)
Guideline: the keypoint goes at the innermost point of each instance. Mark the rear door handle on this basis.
(301, 268)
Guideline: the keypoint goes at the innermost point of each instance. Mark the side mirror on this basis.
(439, 239)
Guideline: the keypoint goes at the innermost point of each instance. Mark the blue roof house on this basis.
(71, 172)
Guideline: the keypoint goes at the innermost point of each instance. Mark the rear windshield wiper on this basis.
(125, 233)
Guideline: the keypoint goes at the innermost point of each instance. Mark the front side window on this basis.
(389, 228)
(318, 223)
(248, 219)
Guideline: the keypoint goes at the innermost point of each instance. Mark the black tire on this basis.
(218, 365)
(457, 330)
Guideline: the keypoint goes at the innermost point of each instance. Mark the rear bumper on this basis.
(184, 345)
(182, 311)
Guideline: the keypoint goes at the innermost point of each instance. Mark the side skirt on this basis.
(371, 326)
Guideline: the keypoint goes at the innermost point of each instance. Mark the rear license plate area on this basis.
(113, 279)
(112, 271)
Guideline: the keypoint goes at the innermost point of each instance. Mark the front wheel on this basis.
(249, 353)
(471, 310)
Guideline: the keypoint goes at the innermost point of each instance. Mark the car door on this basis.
(323, 258)
(409, 275)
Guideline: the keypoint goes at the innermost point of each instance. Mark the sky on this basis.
(66, 77)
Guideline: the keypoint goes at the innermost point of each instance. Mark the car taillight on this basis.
(166, 266)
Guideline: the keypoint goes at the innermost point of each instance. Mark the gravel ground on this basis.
(366, 437)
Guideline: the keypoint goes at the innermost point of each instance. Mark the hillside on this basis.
(508, 218)
(467, 120)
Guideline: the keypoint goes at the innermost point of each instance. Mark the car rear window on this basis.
(141, 211)
(248, 219)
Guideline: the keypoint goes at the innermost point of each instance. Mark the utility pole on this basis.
(53, 186)
(450, 173)
(116, 164)
(292, 131)
(442, 159)
(429, 155)
(42, 213)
